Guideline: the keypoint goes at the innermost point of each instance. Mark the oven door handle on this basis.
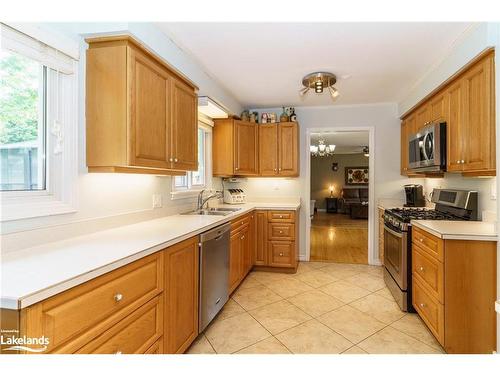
(399, 235)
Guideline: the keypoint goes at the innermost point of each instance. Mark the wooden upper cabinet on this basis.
(454, 126)
(150, 87)
(140, 114)
(479, 123)
(288, 149)
(268, 149)
(184, 127)
(467, 105)
(408, 128)
(439, 108)
(279, 149)
(423, 117)
(246, 151)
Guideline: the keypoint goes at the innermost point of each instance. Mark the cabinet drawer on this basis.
(428, 271)
(73, 318)
(429, 243)
(429, 309)
(281, 231)
(135, 334)
(281, 216)
(282, 253)
(240, 222)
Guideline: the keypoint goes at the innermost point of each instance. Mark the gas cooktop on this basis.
(407, 214)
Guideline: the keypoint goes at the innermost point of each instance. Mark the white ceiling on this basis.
(262, 64)
(345, 142)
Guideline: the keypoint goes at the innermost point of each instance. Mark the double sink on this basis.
(220, 211)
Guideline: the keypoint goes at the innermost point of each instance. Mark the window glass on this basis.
(198, 177)
(22, 122)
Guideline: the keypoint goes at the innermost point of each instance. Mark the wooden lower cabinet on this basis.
(149, 306)
(454, 291)
(135, 334)
(241, 253)
(181, 295)
(72, 319)
(277, 239)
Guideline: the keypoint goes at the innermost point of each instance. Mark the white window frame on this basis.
(191, 190)
(60, 195)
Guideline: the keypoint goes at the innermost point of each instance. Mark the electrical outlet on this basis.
(157, 201)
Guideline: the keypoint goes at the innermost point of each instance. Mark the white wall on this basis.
(108, 200)
(387, 179)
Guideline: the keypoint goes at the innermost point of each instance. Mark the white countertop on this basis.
(459, 230)
(34, 274)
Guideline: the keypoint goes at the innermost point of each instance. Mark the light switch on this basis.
(157, 201)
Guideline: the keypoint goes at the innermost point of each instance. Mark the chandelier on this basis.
(318, 81)
(321, 149)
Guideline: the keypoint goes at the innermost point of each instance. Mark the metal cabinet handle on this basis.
(171, 159)
(463, 161)
(175, 160)
(422, 305)
(281, 216)
(242, 222)
(275, 169)
(421, 239)
(118, 352)
(242, 237)
(118, 297)
(421, 269)
(281, 232)
(281, 254)
(236, 168)
(279, 169)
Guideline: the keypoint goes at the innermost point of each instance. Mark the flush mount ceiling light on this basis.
(321, 149)
(319, 81)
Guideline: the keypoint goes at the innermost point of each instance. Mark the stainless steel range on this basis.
(450, 205)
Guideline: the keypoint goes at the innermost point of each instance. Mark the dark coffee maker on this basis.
(414, 196)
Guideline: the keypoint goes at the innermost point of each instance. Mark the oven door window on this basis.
(395, 255)
(429, 146)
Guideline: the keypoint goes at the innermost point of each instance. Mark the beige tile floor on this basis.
(324, 308)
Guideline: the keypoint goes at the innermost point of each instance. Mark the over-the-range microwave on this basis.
(427, 149)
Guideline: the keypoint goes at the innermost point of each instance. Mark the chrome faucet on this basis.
(202, 201)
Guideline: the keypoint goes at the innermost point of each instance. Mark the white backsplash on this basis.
(486, 188)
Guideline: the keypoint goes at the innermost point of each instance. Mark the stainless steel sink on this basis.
(220, 211)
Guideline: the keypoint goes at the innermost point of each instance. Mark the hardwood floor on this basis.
(338, 238)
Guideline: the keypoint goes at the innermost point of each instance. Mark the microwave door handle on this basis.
(399, 235)
(423, 146)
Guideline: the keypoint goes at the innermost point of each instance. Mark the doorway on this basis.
(340, 171)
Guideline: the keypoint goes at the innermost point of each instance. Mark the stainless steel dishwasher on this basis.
(214, 273)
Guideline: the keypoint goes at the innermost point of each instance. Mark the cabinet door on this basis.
(245, 148)
(423, 117)
(246, 250)
(149, 138)
(261, 258)
(184, 129)
(181, 295)
(251, 242)
(455, 127)
(404, 147)
(288, 149)
(439, 108)
(281, 253)
(479, 131)
(408, 127)
(268, 150)
(235, 260)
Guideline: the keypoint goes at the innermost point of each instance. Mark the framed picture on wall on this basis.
(356, 175)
